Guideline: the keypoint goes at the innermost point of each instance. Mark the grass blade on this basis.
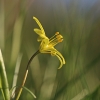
(4, 81)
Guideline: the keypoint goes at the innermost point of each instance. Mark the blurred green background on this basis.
(79, 23)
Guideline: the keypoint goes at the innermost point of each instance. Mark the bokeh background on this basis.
(79, 23)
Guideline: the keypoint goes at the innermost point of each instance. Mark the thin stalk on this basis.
(26, 73)
(15, 78)
(4, 81)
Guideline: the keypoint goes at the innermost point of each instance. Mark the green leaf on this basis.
(4, 81)
(29, 92)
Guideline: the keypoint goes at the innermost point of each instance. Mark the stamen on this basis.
(52, 37)
(56, 33)
(56, 39)
(59, 36)
(60, 40)
(56, 42)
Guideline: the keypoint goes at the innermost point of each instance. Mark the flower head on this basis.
(47, 45)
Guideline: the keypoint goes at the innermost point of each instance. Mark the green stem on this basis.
(26, 73)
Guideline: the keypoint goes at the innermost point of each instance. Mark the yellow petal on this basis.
(54, 52)
(60, 57)
(37, 21)
(38, 31)
(62, 60)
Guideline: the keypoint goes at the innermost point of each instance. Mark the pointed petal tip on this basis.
(61, 65)
(34, 17)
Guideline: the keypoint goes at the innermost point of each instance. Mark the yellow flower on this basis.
(47, 45)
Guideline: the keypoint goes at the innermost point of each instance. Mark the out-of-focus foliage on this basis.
(79, 22)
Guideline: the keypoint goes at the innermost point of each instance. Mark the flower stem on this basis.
(26, 73)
